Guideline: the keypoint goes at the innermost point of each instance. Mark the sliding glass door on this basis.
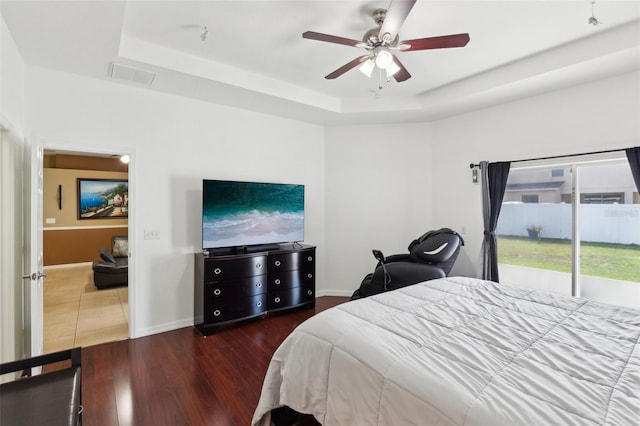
(586, 245)
(609, 234)
(535, 229)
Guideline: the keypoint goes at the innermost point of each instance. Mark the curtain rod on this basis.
(553, 157)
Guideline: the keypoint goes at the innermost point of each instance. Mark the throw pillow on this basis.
(120, 247)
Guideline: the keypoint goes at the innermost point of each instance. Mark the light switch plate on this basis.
(151, 234)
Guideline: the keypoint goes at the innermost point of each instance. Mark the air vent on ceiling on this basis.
(122, 72)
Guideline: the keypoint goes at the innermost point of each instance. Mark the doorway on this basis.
(75, 311)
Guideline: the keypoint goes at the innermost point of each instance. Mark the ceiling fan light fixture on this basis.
(367, 67)
(392, 69)
(383, 59)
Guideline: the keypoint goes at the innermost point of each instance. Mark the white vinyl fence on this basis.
(601, 223)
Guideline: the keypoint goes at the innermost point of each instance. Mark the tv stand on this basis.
(233, 287)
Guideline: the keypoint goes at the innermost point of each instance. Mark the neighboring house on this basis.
(605, 184)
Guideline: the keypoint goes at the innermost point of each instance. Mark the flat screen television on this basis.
(242, 214)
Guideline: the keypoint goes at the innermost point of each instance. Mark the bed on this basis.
(460, 351)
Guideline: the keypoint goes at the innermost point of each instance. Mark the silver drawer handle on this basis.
(216, 313)
(259, 304)
(217, 271)
(277, 281)
(277, 300)
(309, 292)
(258, 265)
(217, 292)
(277, 263)
(310, 258)
(259, 284)
(309, 275)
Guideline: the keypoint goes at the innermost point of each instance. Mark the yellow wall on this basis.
(68, 216)
(69, 239)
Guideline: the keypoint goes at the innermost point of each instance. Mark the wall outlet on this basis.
(50, 220)
(151, 234)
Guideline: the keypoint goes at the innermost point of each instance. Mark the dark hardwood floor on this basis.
(183, 378)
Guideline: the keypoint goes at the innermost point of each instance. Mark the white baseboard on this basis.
(339, 293)
(170, 326)
(162, 328)
(67, 265)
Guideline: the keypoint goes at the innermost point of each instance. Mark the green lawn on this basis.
(616, 261)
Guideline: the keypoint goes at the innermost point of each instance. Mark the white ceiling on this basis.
(255, 57)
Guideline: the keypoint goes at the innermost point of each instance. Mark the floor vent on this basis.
(133, 75)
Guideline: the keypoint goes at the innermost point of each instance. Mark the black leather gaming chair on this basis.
(431, 256)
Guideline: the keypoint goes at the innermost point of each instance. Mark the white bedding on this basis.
(460, 351)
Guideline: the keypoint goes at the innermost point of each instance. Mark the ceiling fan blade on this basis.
(403, 74)
(396, 15)
(312, 35)
(346, 67)
(442, 42)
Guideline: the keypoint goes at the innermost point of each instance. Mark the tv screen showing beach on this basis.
(238, 214)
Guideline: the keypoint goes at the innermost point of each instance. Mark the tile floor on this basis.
(76, 313)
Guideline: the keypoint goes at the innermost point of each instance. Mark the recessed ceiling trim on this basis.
(153, 54)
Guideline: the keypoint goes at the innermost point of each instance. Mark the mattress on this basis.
(460, 351)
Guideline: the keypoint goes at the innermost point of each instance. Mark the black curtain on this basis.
(633, 155)
(494, 185)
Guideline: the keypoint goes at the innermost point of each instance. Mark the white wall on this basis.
(379, 190)
(596, 116)
(11, 81)
(175, 143)
(11, 126)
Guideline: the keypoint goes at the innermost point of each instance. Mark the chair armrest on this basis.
(404, 257)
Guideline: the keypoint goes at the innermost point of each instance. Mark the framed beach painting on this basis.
(103, 198)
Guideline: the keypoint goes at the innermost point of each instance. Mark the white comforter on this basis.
(460, 351)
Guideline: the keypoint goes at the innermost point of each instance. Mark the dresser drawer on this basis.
(289, 261)
(229, 290)
(235, 309)
(289, 279)
(288, 297)
(229, 269)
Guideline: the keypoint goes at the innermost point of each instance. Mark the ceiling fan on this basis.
(381, 41)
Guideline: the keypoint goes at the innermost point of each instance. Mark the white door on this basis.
(33, 285)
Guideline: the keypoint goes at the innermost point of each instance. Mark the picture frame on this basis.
(103, 199)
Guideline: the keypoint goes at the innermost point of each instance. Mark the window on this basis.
(530, 198)
(609, 198)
